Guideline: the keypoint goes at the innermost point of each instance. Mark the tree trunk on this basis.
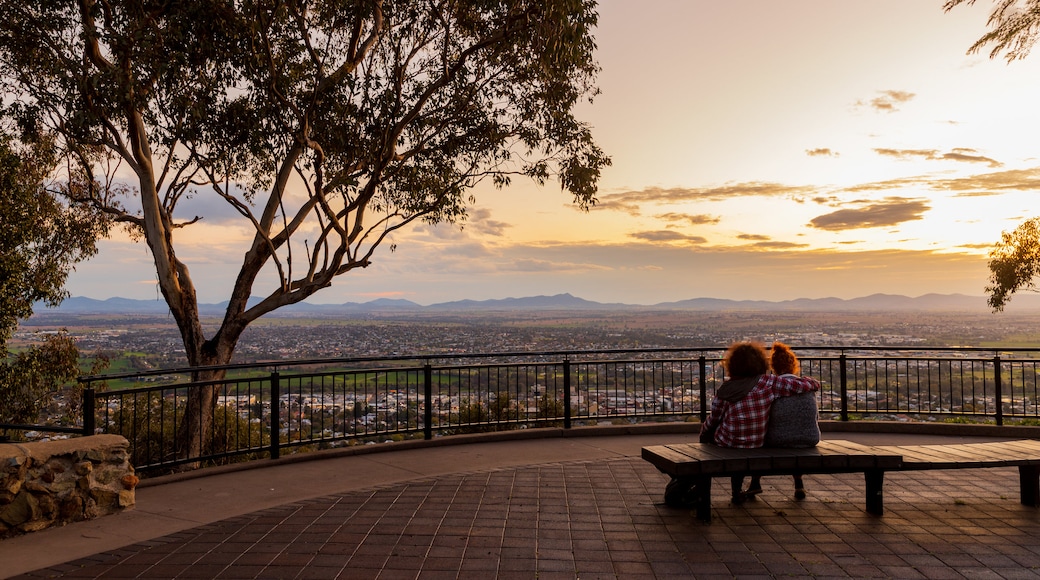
(195, 432)
(196, 429)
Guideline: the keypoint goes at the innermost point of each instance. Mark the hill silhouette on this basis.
(874, 302)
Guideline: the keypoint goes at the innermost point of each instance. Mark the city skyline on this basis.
(762, 150)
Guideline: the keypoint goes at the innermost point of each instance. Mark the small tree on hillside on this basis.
(326, 125)
(30, 379)
(1014, 26)
(1014, 263)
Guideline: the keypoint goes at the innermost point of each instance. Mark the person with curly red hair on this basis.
(793, 421)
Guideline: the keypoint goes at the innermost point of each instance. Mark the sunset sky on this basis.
(761, 149)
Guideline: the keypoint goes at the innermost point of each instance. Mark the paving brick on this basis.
(602, 520)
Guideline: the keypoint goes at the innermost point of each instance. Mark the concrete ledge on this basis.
(932, 428)
(681, 428)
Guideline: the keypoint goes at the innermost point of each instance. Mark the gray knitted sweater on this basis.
(793, 422)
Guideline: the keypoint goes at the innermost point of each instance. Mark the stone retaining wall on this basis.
(53, 483)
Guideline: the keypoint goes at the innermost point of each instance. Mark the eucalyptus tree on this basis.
(1014, 263)
(325, 125)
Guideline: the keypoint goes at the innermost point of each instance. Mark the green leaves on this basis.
(30, 380)
(1014, 264)
(42, 237)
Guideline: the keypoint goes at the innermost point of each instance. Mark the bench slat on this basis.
(716, 459)
(863, 456)
(846, 446)
(787, 459)
(724, 459)
(996, 451)
(1028, 450)
(919, 456)
(670, 461)
(967, 455)
(995, 454)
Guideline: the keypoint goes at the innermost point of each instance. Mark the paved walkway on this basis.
(576, 507)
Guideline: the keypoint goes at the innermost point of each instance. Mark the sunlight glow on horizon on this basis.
(838, 148)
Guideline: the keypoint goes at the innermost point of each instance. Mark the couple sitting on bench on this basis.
(756, 408)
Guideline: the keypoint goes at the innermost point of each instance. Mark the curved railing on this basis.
(267, 409)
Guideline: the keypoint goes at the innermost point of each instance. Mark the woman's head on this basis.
(745, 359)
(783, 360)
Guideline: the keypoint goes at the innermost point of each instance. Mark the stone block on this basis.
(11, 485)
(71, 509)
(21, 510)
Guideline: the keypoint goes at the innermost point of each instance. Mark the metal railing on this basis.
(263, 410)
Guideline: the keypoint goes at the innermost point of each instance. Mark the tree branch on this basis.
(90, 36)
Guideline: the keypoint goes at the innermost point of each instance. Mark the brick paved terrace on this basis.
(562, 507)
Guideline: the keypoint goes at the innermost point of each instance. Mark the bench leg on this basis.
(703, 499)
(675, 492)
(690, 492)
(875, 479)
(1029, 484)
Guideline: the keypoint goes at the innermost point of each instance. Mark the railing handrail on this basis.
(281, 364)
(278, 364)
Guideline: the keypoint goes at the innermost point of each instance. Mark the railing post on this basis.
(704, 387)
(428, 395)
(998, 390)
(566, 393)
(276, 415)
(843, 372)
(89, 404)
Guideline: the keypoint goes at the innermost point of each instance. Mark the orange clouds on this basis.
(888, 212)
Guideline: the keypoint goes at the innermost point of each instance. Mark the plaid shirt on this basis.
(743, 424)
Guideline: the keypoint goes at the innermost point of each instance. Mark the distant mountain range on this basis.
(563, 302)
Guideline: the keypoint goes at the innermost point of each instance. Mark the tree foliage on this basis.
(30, 380)
(42, 237)
(1013, 27)
(324, 125)
(1015, 261)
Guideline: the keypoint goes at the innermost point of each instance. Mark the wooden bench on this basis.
(1022, 453)
(693, 465)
